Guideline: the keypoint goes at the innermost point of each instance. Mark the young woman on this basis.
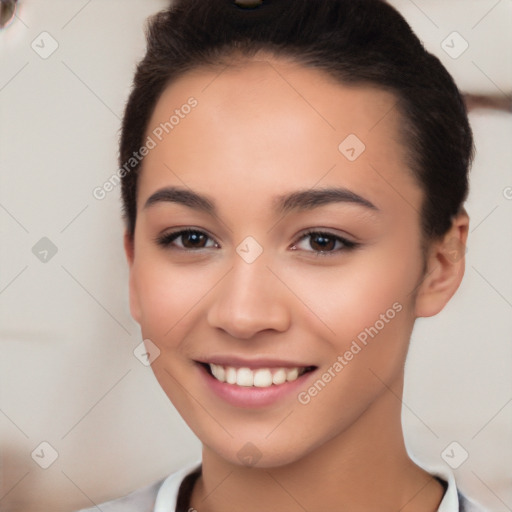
(294, 175)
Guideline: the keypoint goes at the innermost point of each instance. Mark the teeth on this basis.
(263, 378)
(260, 378)
(279, 377)
(230, 375)
(218, 372)
(244, 377)
(292, 374)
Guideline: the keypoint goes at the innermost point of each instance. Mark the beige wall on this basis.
(68, 376)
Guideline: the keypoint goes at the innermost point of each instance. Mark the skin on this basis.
(264, 128)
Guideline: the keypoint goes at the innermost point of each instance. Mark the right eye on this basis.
(186, 240)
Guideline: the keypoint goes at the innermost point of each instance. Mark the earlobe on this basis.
(129, 250)
(445, 269)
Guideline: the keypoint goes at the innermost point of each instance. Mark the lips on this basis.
(256, 374)
(252, 383)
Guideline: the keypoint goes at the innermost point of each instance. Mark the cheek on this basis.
(167, 296)
(368, 308)
(369, 287)
(174, 301)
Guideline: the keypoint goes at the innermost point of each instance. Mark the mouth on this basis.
(264, 377)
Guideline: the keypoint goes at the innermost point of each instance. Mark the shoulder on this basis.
(140, 500)
(160, 495)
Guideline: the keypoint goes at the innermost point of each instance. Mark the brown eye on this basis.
(323, 244)
(193, 239)
(320, 242)
(190, 239)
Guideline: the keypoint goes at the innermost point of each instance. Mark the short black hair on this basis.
(364, 42)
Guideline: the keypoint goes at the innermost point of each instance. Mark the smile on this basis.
(256, 377)
(253, 383)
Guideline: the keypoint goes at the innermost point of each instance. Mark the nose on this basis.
(249, 299)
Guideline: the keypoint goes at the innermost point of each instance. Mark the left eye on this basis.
(323, 243)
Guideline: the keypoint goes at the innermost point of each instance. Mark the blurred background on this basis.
(81, 419)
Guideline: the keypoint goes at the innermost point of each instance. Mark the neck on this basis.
(364, 468)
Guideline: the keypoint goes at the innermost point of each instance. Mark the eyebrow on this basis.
(296, 201)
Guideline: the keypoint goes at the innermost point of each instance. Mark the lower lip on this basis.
(252, 397)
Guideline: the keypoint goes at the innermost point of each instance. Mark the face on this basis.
(277, 244)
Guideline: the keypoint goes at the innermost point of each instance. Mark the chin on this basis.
(251, 452)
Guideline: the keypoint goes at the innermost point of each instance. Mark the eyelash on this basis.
(348, 245)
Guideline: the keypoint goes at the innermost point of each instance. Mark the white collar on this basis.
(450, 501)
(168, 492)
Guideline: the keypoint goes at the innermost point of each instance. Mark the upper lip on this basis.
(240, 362)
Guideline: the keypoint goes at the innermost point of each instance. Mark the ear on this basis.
(445, 268)
(129, 249)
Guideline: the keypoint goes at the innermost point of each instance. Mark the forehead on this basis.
(273, 123)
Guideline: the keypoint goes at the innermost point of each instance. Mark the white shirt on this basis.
(161, 496)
